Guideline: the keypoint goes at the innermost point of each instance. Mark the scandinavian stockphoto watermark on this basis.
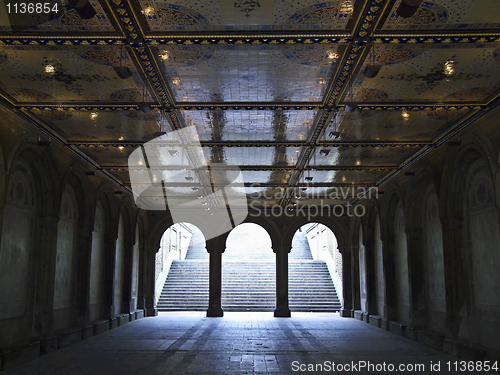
(172, 172)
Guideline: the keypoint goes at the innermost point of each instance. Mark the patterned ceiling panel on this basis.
(251, 155)
(202, 15)
(343, 177)
(68, 74)
(66, 20)
(102, 126)
(448, 15)
(362, 156)
(433, 73)
(394, 125)
(200, 73)
(251, 125)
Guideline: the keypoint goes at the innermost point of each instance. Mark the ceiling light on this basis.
(351, 107)
(309, 178)
(358, 162)
(207, 209)
(188, 178)
(449, 67)
(93, 115)
(176, 81)
(334, 135)
(148, 11)
(194, 188)
(405, 114)
(371, 71)
(322, 81)
(204, 203)
(120, 148)
(50, 69)
(140, 162)
(144, 107)
(408, 8)
(121, 138)
(332, 55)
(123, 72)
(84, 9)
(347, 6)
(173, 152)
(199, 196)
(165, 55)
(324, 152)
(344, 179)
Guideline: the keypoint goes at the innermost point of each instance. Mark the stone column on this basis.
(282, 309)
(454, 275)
(149, 281)
(45, 266)
(346, 283)
(215, 279)
(84, 252)
(416, 276)
(355, 285)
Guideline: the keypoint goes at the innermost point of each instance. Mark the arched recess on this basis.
(66, 261)
(123, 261)
(248, 270)
(375, 267)
(397, 272)
(17, 258)
(435, 288)
(482, 255)
(97, 293)
(141, 236)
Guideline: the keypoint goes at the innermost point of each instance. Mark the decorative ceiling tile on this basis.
(248, 73)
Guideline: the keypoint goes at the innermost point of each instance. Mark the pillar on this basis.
(347, 281)
(215, 279)
(282, 309)
(149, 281)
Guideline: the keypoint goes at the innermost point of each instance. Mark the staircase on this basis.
(249, 277)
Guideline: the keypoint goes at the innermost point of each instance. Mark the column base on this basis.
(282, 313)
(215, 313)
(345, 313)
(152, 311)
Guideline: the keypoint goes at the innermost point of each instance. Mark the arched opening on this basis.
(315, 270)
(181, 270)
(64, 282)
(248, 270)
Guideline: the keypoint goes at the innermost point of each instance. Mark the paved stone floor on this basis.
(238, 343)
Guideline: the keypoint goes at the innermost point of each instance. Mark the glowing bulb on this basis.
(165, 55)
(347, 7)
(50, 69)
(344, 179)
(121, 138)
(405, 114)
(148, 11)
(120, 148)
(332, 55)
(176, 81)
(358, 162)
(94, 115)
(322, 81)
(449, 67)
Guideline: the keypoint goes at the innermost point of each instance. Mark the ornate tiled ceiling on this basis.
(265, 84)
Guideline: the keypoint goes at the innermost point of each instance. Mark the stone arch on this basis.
(334, 225)
(17, 256)
(269, 226)
(481, 252)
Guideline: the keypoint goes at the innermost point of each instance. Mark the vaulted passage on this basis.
(229, 186)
